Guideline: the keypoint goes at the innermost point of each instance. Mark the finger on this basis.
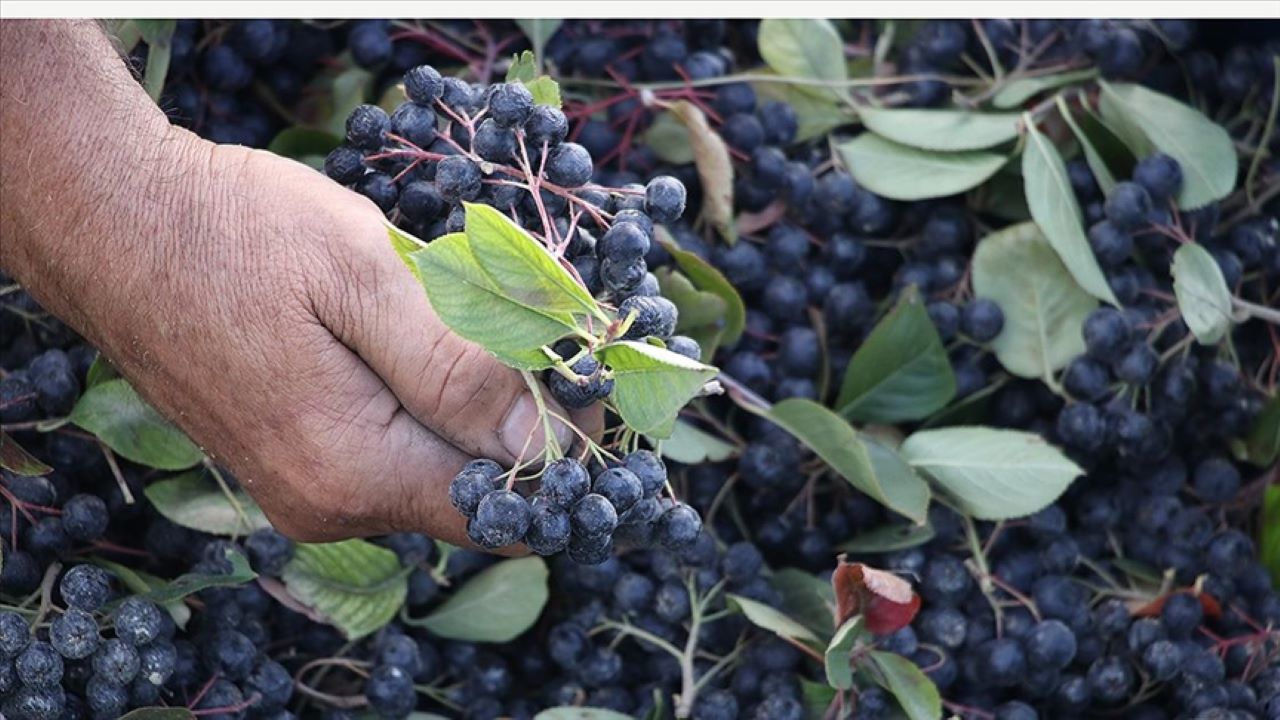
(359, 463)
(450, 385)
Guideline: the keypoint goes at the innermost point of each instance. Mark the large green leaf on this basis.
(807, 598)
(692, 446)
(474, 307)
(902, 172)
(774, 621)
(869, 466)
(1019, 90)
(708, 278)
(941, 129)
(900, 372)
(1054, 207)
(192, 501)
(1203, 297)
(916, 694)
(521, 267)
(991, 474)
(1147, 121)
(356, 585)
(495, 606)
(304, 144)
(700, 315)
(804, 48)
(114, 412)
(837, 659)
(1044, 308)
(651, 384)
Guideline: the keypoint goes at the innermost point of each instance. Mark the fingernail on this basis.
(522, 433)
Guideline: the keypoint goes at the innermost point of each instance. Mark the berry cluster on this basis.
(574, 512)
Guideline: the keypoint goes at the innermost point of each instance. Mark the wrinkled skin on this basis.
(251, 300)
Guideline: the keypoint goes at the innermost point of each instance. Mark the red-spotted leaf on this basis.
(886, 602)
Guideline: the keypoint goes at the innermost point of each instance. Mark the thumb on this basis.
(447, 383)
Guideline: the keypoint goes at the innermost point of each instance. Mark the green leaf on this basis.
(866, 464)
(15, 458)
(521, 266)
(142, 583)
(539, 31)
(1097, 165)
(545, 91)
(100, 371)
(1044, 308)
(126, 32)
(901, 371)
(301, 143)
(837, 658)
(767, 618)
(991, 474)
(192, 501)
(807, 598)
(715, 168)
(158, 34)
(700, 315)
(902, 172)
(405, 246)
(708, 278)
(1269, 534)
(350, 88)
(803, 47)
(1263, 442)
(495, 606)
(816, 698)
(524, 67)
(574, 712)
(915, 692)
(180, 587)
(651, 384)
(669, 139)
(889, 538)
(1147, 120)
(1002, 196)
(1203, 297)
(692, 446)
(357, 585)
(817, 111)
(159, 713)
(114, 412)
(1018, 91)
(941, 129)
(474, 307)
(1054, 207)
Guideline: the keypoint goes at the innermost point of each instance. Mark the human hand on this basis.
(253, 301)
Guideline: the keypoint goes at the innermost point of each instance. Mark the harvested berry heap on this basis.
(995, 436)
